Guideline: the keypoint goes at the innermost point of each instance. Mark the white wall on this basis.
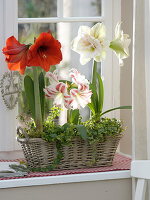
(99, 190)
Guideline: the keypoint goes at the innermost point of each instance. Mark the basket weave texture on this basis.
(80, 154)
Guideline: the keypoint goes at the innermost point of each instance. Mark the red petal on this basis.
(16, 54)
(13, 46)
(45, 52)
(16, 67)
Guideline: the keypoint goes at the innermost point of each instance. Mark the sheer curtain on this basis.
(141, 82)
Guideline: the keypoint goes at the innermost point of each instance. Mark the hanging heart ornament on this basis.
(10, 85)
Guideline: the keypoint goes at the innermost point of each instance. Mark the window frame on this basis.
(8, 122)
(111, 14)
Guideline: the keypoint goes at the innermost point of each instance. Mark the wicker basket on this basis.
(80, 154)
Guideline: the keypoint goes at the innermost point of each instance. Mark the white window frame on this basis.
(111, 14)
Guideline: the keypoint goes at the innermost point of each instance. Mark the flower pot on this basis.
(79, 154)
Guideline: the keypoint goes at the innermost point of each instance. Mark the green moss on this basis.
(96, 130)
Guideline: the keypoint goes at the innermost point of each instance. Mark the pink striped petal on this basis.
(53, 77)
(79, 79)
(80, 98)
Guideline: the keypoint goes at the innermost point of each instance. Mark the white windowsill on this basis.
(74, 178)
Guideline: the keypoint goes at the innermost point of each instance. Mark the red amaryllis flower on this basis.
(45, 52)
(16, 55)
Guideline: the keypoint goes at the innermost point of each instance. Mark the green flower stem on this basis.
(68, 115)
(93, 86)
(94, 75)
(38, 113)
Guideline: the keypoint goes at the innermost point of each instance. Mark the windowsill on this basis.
(119, 170)
(74, 178)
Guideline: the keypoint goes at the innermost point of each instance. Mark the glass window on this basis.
(84, 8)
(37, 8)
(48, 8)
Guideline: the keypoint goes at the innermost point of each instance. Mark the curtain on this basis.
(141, 83)
(139, 92)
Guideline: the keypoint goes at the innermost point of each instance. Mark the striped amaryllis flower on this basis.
(76, 95)
(79, 79)
(57, 92)
(68, 101)
(53, 77)
(80, 98)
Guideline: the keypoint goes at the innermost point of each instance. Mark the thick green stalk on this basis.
(94, 74)
(68, 116)
(38, 113)
(93, 87)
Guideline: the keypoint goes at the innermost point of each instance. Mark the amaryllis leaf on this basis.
(29, 91)
(82, 131)
(91, 106)
(94, 97)
(42, 94)
(38, 113)
(120, 107)
(74, 116)
(100, 93)
(66, 126)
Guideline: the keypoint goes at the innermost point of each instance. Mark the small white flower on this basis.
(120, 44)
(90, 43)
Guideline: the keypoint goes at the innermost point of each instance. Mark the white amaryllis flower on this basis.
(57, 92)
(79, 79)
(120, 44)
(90, 43)
(80, 98)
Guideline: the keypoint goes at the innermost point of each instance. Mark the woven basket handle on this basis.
(21, 131)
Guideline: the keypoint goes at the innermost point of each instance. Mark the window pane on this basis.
(84, 8)
(27, 32)
(37, 8)
(48, 8)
